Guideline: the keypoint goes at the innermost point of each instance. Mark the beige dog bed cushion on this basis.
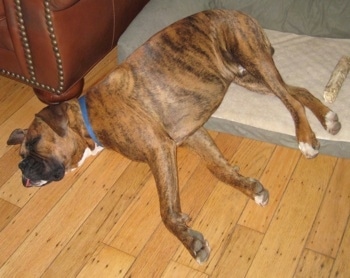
(304, 61)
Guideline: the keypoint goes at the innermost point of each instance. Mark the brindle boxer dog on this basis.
(158, 99)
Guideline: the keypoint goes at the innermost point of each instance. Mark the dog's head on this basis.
(49, 147)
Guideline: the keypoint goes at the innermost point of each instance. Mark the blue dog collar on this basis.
(82, 103)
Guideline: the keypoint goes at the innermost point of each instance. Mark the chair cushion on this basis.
(5, 39)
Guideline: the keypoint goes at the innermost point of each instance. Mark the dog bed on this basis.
(302, 60)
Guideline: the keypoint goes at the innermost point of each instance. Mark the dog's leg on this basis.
(202, 144)
(308, 144)
(164, 167)
(254, 54)
(264, 77)
(326, 116)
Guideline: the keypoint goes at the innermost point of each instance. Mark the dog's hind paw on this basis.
(200, 247)
(332, 123)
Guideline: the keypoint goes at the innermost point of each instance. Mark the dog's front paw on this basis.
(262, 198)
(308, 150)
(261, 195)
(200, 249)
(332, 123)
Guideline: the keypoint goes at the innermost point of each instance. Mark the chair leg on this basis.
(52, 98)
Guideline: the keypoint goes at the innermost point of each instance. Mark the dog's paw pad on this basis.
(332, 123)
(307, 150)
(203, 252)
(201, 249)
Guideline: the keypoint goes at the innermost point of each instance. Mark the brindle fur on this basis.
(161, 96)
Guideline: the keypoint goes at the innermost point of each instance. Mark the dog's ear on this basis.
(55, 116)
(17, 136)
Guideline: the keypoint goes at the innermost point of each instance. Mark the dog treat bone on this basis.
(336, 80)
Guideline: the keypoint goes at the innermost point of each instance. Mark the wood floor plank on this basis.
(138, 223)
(239, 253)
(156, 254)
(100, 222)
(275, 178)
(72, 210)
(106, 262)
(9, 164)
(7, 212)
(329, 226)
(341, 265)
(16, 96)
(313, 264)
(3, 83)
(282, 246)
(20, 119)
(258, 154)
(14, 192)
(176, 270)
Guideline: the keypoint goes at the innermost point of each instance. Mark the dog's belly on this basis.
(180, 101)
(182, 108)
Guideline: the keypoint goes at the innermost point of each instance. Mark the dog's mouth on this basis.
(30, 183)
(38, 172)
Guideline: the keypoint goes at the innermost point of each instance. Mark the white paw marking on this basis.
(259, 199)
(307, 150)
(262, 199)
(332, 123)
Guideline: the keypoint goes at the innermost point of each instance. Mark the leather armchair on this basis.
(51, 44)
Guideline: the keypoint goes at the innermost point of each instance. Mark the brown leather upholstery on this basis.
(51, 44)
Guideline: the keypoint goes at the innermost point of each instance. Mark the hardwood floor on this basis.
(103, 219)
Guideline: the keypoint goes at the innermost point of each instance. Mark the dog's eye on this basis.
(30, 144)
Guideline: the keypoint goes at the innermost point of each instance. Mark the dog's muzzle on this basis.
(29, 183)
(38, 172)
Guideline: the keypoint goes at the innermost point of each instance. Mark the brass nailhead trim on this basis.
(32, 80)
(54, 44)
(25, 44)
